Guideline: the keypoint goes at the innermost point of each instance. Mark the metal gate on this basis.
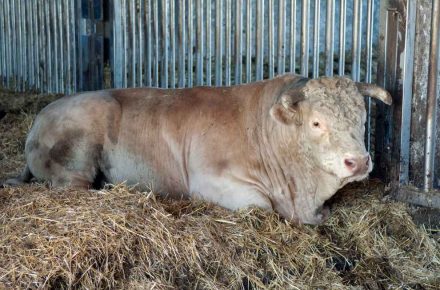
(182, 43)
(68, 46)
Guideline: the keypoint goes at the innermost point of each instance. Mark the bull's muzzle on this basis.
(358, 165)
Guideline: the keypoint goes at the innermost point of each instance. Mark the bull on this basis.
(286, 144)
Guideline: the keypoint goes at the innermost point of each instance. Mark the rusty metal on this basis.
(432, 95)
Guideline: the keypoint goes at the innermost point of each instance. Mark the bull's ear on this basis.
(374, 92)
(286, 110)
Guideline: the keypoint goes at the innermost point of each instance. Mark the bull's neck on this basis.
(295, 183)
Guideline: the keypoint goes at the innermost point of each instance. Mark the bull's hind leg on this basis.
(24, 177)
(71, 160)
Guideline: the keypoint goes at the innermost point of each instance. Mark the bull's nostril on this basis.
(350, 163)
(367, 160)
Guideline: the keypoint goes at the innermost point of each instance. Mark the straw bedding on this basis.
(120, 238)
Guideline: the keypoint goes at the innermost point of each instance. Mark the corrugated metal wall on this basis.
(181, 43)
(38, 45)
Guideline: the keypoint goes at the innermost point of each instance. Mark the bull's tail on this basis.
(24, 177)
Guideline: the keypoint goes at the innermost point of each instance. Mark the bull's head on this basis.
(328, 115)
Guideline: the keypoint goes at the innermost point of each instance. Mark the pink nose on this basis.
(358, 165)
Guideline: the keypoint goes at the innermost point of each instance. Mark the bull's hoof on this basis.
(12, 182)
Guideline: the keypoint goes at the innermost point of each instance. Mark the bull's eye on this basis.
(316, 124)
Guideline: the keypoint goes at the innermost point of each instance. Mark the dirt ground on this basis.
(132, 240)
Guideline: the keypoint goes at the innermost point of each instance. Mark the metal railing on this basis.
(38, 45)
(182, 43)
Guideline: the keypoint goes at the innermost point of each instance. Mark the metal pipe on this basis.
(208, 53)
(317, 20)
(133, 52)
(260, 39)
(14, 40)
(190, 43)
(182, 43)
(164, 58)
(281, 37)
(218, 43)
(9, 67)
(141, 26)
(173, 44)
(74, 45)
(56, 49)
(329, 38)
(356, 50)
(149, 47)
(156, 44)
(432, 97)
(270, 28)
(68, 67)
(124, 50)
(293, 36)
(238, 41)
(60, 12)
(228, 43)
(305, 38)
(49, 59)
(19, 47)
(2, 46)
(407, 86)
(117, 45)
(342, 18)
(370, 10)
(249, 41)
(199, 47)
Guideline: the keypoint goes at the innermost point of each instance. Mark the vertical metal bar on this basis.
(56, 42)
(208, 43)
(49, 59)
(117, 45)
(407, 86)
(124, 50)
(19, 21)
(173, 43)
(68, 76)
(260, 39)
(292, 46)
(29, 43)
(149, 42)
(182, 43)
(317, 20)
(141, 34)
(74, 46)
(342, 15)
(305, 38)
(228, 43)
(431, 109)
(2, 45)
(238, 41)
(8, 24)
(271, 39)
(164, 58)
(249, 41)
(39, 52)
(199, 47)
(14, 40)
(281, 37)
(356, 50)
(218, 43)
(133, 17)
(370, 9)
(329, 38)
(156, 44)
(190, 43)
(60, 12)
(22, 46)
